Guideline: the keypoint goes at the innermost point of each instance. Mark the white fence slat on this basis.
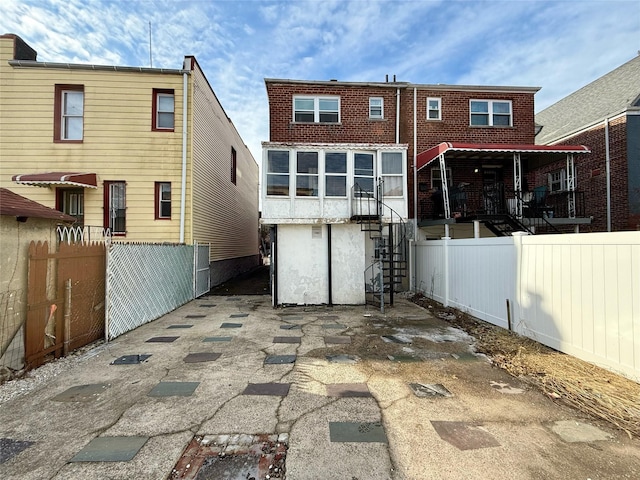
(577, 293)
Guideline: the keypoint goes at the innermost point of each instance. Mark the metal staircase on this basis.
(389, 233)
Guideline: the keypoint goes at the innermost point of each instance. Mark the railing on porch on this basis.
(469, 201)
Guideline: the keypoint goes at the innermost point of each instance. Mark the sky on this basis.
(558, 45)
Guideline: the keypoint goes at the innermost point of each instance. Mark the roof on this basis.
(482, 151)
(607, 96)
(85, 180)
(420, 86)
(12, 204)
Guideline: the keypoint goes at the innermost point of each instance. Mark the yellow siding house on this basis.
(147, 153)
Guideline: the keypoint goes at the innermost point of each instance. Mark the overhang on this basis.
(12, 204)
(486, 151)
(84, 180)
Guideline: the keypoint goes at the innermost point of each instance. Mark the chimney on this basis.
(386, 78)
(21, 50)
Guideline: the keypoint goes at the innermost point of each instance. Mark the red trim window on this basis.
(163, 201)
(115, 207)
(68, 114)
(163, 107)
(234, 166)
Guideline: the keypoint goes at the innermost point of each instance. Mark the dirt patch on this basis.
(586, 387)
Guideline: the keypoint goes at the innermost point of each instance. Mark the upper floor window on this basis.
(316, 109)
(163, 201)
(234, 165)
(335, 179)
(491, 113)
(434, 109)
(557, 181)
(163, 110)
(392, 178)
(278, 172)
(68, 108)
(376, 107)
(307, 174)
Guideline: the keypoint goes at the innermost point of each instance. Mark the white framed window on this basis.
(163, 110)
(392, 177)
(376, 107)
(434, 108)
(316, 109)
(363, 172)
(557, 180)
(335, 174)
(307, 174)
(278, 172)
(163, 200)
(436, 178)
(490, 113)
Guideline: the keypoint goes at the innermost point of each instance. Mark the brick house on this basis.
(605, 115)
(348, 164)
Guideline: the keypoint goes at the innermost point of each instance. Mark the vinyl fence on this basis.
(577, 293)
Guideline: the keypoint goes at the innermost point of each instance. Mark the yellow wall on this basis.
(118, 142)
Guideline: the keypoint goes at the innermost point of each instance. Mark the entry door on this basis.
(71, 202)
(493, 190)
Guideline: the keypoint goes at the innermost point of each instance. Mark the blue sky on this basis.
(557, 45)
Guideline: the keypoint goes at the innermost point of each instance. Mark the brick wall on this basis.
(591, 176)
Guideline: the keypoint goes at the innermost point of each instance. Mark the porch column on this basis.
(445, 186)
(517, 183)
(571, 186)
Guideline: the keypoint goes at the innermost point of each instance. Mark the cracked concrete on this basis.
(535, 437)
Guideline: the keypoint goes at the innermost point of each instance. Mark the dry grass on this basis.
(586, 387)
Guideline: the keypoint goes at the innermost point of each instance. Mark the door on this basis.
(71, 202)
(493, 190)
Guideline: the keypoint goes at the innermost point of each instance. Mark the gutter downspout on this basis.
(397, 115)
(330, 284)
(608, 170)
(414, 275)
(183, 193)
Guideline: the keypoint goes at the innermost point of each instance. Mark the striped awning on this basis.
(84, 180)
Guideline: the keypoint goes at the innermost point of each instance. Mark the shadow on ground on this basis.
(255, 282)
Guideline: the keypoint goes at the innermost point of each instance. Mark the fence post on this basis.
(107, 292)
(445, 245)
(67, 316)
(517, 304)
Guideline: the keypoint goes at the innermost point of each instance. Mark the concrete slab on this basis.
(170, 389)
(81, 393)
(162, 339)
(201, 357)
(110, 449)
(464, 435)
(9, 448)
(130, 360)
(357, 432)
(274, 389)
(572, 432)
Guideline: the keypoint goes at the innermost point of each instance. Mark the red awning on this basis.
(20, 207)
(471, 150)
(84, 180)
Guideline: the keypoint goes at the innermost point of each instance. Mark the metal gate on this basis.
(201, 274)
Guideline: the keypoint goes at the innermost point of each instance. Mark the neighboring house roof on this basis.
(85, 180)
(483, 151)
(12, 204)
(607, 96)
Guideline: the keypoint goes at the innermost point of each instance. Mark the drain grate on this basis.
(287, 339)
(279, 359)
(162, 339)
(430, 390)
(201, 357)
(199, 315)
(273, 389)
(217, 339)
(372, 432)
(208, 305)
(171, 389)
(183, 325)
(290, 327)
(238, 315)
(344, 390)
(233, 457)
(110, 449)
(230, 325)
(81, 393)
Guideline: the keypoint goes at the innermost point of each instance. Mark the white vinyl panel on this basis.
(611, 313)
(625, 306)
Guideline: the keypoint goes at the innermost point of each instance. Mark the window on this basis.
(115, 207)
(557, 181)
(491, 113)
(436, 178)
(163, 110)
(68, 109)
(363, 173)
(434, 110)
(335, 169)
(234, 166)
(163, 201)
(307, 174)
(376, 107)
(392, 177)
(278, 172)
(316, 109)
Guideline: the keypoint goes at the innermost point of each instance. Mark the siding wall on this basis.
(224, 214)
(118, 142)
